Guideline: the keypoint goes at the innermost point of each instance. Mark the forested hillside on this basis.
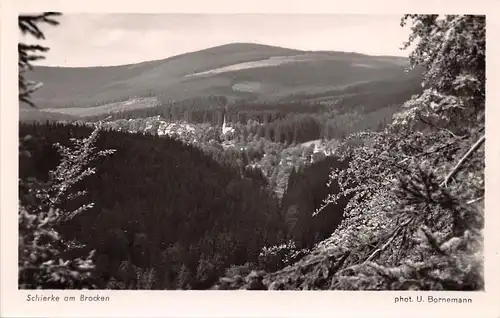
(248, 77)
(149, 217)
(213, 193)
(415, 220)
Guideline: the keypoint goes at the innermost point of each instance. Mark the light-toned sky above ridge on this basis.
(116, 39)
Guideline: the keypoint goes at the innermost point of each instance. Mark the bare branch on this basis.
(475, 200)
(464, 158)
(392, 237)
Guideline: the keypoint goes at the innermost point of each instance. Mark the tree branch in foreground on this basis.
(464, 158)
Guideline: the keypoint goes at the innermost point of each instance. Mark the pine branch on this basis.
(461, 162)
(28, 25)
(426, 153)
(383, 247)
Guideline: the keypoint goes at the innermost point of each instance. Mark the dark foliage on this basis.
(28, 24)
(415, 219)
(305, 192)
(177, 211)
(403, 203)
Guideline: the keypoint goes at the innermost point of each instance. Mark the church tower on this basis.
(225, 128)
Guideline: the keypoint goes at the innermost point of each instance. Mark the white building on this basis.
(226, 129)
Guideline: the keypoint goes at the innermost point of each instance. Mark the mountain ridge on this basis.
(239, 71)
(219, 47)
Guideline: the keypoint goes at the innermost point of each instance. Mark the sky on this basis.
(85, 39)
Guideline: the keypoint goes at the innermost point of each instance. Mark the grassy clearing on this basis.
(135, 103)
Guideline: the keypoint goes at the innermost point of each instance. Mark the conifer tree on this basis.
(415, 220)
(28, 53)
(43, 261)
(415, 217)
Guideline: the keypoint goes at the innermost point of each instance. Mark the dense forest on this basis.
(147, 219)
(397, 205)
(288, 121)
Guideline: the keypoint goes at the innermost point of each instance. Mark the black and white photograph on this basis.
(258, 152)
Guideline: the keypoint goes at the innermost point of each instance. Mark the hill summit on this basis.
(245, 71)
